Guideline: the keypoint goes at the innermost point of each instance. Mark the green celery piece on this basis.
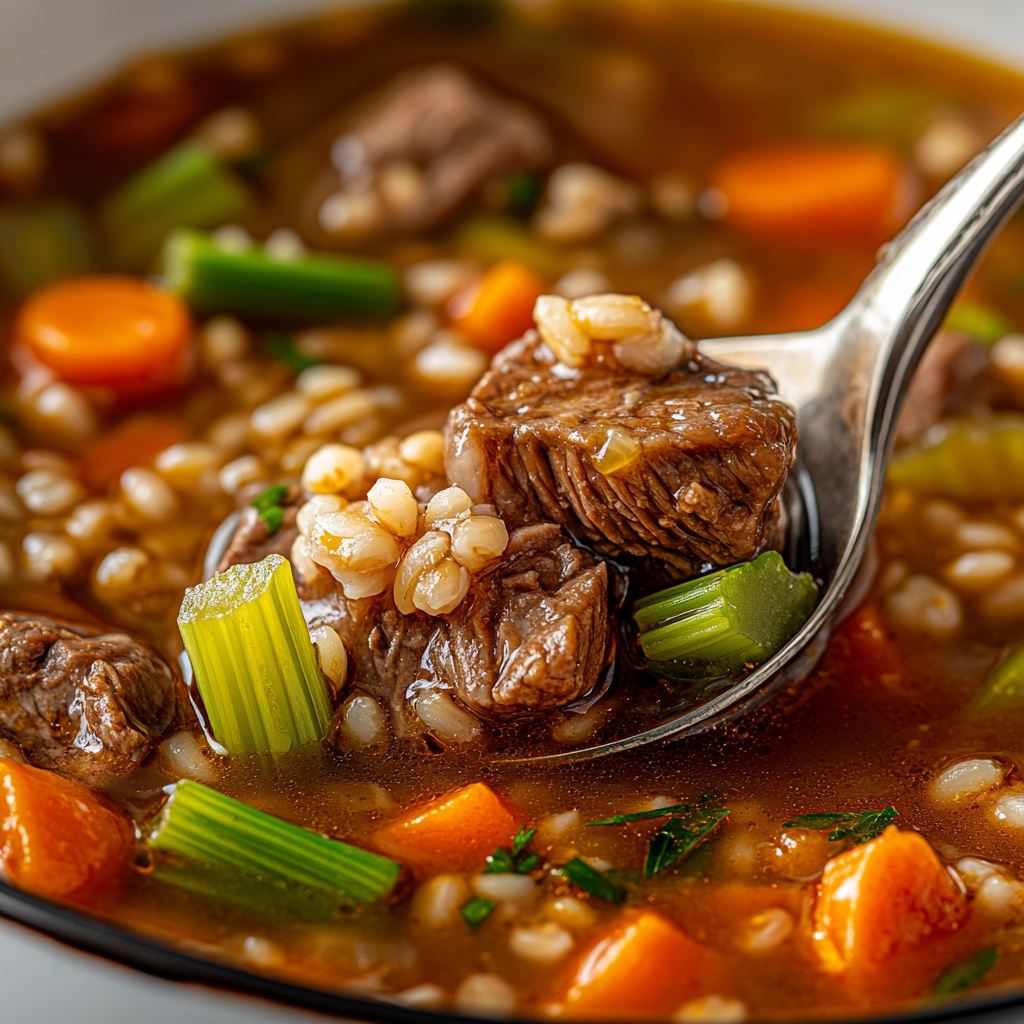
(186, 187)
(984, 324)
(317, 287)
(253, 660)
(39, 244)
(216, 831)
(679, 837)
(476, 911)
(966, 974)
(1004, 688)
(890, 113)
(728, 619)
(495, 238)
(965, 459)
(589, 879)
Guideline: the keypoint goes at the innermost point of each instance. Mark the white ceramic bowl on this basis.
(48, 47)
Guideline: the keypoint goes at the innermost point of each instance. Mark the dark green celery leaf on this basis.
(969, 972)
(476, 911)
(589, 879)
(679, 836)
(860, 826)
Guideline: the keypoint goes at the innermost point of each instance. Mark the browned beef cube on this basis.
(713, 445)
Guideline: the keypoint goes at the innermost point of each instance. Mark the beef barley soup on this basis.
(356, 443)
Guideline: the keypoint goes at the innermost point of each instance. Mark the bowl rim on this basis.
(90, 933)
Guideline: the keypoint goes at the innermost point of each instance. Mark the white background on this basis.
(47, 46)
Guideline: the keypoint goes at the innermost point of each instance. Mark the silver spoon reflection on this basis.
(847, 382)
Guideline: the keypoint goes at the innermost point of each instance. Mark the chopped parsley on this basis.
(476, 911)
(589, 879)
(859, 826)
(967, 973)
(517, 861)
(268, 507)
(281, 347)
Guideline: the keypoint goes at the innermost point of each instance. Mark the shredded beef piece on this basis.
(716, 445)
(86, 704)
(419, 149)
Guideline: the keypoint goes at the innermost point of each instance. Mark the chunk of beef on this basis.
(416, 152)
(712, 444)
(89, 705)
(532, 635)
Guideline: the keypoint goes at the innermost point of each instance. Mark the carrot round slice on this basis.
(106, 331)
(454, 832)
(814, 192)
(57, 837)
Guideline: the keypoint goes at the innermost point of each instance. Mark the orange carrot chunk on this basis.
(880, 904)
(136, 442)
(644, 967)
(456, 831)
(57, 837)
(107, 331)
(813, 192)
(500, 308)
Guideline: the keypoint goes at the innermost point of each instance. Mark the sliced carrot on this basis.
(813, 192)
(456, 831)
(57, 837)
(135, 443)
(883, 910)
(107, 331)
(500, 308)
(644, 967)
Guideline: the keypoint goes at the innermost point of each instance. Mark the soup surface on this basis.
(374, 332)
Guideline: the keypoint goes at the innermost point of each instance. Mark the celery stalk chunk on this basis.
(186, 187)
(315, 287)
(254, 664)
(1004, 688)
(964, 459)
(727, 620)
(217, 832)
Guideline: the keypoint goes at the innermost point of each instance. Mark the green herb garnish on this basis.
(659, 812)
(268, 507)
(680, 836)
(503, 862)
(589, 879)
(281, 347)
(860, 826)
(476, 911)
(967, 973)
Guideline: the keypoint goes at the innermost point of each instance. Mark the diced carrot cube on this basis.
(500, 308)
(813, 192)
(880, 906)
(456, 831)
(57, 837)
(644, 967)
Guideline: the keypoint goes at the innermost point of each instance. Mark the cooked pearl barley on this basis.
(925, 605)
(229, 433)
(349, 213)
(334, 469)
(559, 331)
(1009, 809)
(986, 535)
(582, 201)
(383, 459)
(425, 450)
(412, 331)
(446, 719)
(942, 517)
(183, 464)
(720, 292)
(230, 133)
(478, 540)
(182, 757)
(284, 246)
(439, 900)
(355, 549)
(48, 557)
(996, 892)
(301, 562)
(64, 409)
(429, 579)
(401, 184)
(486, 995)
(91, 522)
(331, 652)
(280, 417)
(435, 281)
(978, 570)
(711, 1010)
(394, 506)
(767, 930)
(1006, 602)
(657, 352)
(48, 493)
(340, 412)
(362, 722)
(321, 382)
(544, 943)
(447, 504)
(239, 472)
(555, 827)
(580, 282)
(223, 340)
(570, 912)
(1007, 357)
(449, 365)
(317, 505)
(612, 317)
(946, 145)
(233, 239)
(422, 997)
(148, 495)
(506, 887)
(965, 779)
